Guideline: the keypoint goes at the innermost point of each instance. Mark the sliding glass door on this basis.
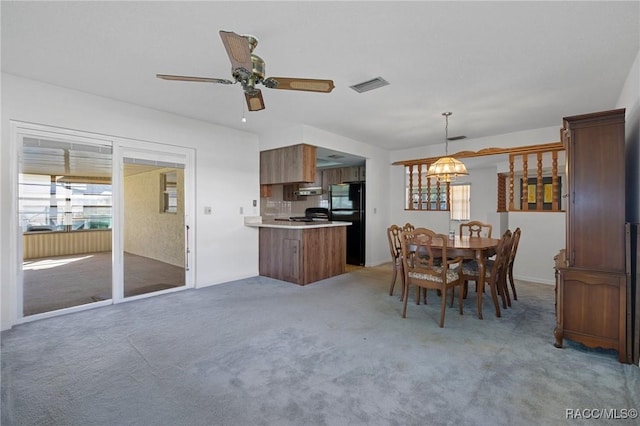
(100, 220)
(154, 244)
(65, 214)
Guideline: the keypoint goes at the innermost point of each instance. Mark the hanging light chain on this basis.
(446, 133)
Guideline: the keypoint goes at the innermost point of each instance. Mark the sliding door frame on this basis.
(126, 148)
(20, 129)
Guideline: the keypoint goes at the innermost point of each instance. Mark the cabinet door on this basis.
(362, 173)
(269, 167)
(592, 309)
(350, 174)
(266, 191)
(296, 163)
(330, 177)
(291, 260)
(596, 214)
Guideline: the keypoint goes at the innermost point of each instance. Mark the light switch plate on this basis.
(207, 210)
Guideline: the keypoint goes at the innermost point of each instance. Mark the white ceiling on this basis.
(500, 67)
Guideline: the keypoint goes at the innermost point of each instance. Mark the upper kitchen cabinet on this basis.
(353, 174)
(331, 177)
(290, 164)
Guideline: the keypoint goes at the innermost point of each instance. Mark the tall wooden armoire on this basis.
(591, 276)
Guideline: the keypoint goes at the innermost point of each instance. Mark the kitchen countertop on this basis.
(297, 225)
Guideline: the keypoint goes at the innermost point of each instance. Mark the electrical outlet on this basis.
(255, 203)
(241, 210)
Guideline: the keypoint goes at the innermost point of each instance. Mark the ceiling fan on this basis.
(248, 70)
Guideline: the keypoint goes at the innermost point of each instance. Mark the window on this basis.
(460, 202)
(60, 203)
(168, 183)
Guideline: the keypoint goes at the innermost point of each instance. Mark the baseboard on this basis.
(536, 280)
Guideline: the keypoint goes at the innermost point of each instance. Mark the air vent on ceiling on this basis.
(335, 156)
(372, 84)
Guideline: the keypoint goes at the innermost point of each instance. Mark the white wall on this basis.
(226, 173)
(630, 99)
(542, 233)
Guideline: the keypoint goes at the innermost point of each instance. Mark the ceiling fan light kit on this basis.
(248, 69)
(447, 169)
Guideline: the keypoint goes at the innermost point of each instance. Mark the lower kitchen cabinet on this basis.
(302, 255)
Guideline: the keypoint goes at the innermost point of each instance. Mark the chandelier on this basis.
(446, 169)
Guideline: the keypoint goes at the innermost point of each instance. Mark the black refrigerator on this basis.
(347, 204)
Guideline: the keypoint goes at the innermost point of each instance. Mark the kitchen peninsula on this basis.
(302, 252)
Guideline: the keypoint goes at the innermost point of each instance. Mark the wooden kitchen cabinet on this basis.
(290, 164)
(302, 255)
(266, 191)
(330, 177)
(591, 281)
(289, 192)
(350, 174)
(362, 173)
(317, 183)
(291, 260)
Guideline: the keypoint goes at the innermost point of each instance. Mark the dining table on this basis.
(478, 248)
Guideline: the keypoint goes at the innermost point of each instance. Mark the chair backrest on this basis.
(503, 252)
(420, 259)
(393, 234)
(514, 246)
(475, 228)
(408, 227)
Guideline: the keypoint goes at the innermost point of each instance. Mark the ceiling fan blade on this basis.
(238, 49)
(196, 79)
(254, 101)
(305, 84)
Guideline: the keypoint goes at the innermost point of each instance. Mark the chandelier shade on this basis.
(447, 169)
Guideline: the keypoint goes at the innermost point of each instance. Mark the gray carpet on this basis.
(337, 352)
(75, 280)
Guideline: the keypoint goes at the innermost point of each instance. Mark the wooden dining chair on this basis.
(475, 228)
(422, 268)
(495, 271)
(408, 227)
(512, 257)
(393, 234)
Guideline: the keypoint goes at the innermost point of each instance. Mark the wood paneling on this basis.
(302, 256)
(46, 244)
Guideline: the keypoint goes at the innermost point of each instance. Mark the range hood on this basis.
(309, 191)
